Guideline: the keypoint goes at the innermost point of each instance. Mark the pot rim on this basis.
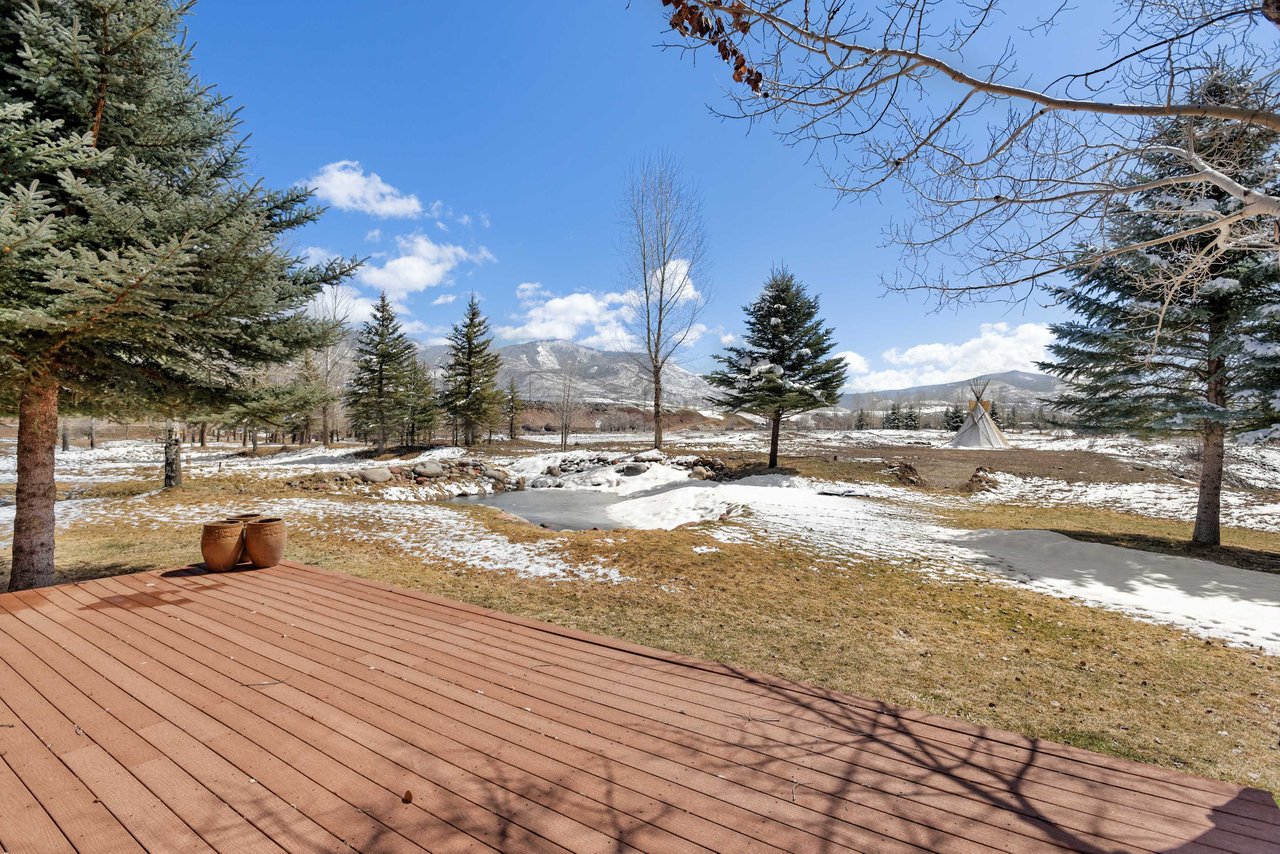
(264, 520)
(223, 523)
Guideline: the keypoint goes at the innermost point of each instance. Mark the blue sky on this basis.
(487, 151)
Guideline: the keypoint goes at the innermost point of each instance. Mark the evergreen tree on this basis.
(861, 421)
(784, 367)
(1011, 420)
(1203, 358)
(512, 406)
(142, 265)
(380, 377)
(471, 393)
(996, 415)
(421, 404)
(953, 419)
(893, 417)
(911, 418)
(287, 406)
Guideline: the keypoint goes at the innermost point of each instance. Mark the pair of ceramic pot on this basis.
(250, 537)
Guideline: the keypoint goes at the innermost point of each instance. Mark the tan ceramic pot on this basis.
(221, 544)
(264, 540)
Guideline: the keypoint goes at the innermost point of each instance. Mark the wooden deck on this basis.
(298, 709)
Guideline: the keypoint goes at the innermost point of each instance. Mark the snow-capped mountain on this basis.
(1017, 388)
(599, 376)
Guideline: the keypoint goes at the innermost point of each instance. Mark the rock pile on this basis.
(982, 480)
(907, 475)
(441, 473)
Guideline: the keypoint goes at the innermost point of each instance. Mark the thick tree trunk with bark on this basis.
(1208, 527)
(172, 456)
(35, 493)
(204, 430)
(657, 407)
(775, 427)
(66, 435)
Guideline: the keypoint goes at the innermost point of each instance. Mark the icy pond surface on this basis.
(566, 509)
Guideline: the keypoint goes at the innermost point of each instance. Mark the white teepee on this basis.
(978, 430)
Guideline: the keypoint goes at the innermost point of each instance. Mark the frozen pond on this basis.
(563, 509)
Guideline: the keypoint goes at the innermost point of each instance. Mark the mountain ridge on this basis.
(599, 376)
(1022, 388)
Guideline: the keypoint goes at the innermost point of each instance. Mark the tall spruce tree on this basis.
(381, 376)
(421, 404)
(784, 367)
(1201, 358)
(141, 265)
(471, 395)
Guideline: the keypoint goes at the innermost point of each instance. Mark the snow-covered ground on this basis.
(1159, 500)
(432, 531)
(846, 523)
(1207, 599)
(841, 524)
(135, 460)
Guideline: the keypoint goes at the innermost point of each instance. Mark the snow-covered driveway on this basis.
(1239, 605)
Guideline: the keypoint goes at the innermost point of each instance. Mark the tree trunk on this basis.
(253, 433)
(35, 495)
(326, 429)
(382, 440)
(66, 435)
(93, 435)
(204, 430)
(1208, 529)
(657, 407)
(775, 427)
(172, 456)
(244, 438)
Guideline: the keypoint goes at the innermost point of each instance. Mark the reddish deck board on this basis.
(299, 709)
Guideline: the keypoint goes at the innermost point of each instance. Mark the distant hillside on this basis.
(1018, 388)
(601, 377)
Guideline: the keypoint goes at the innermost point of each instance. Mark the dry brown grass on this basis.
(982, 651)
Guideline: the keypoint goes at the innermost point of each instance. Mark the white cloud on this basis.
(317, 254)
(421, 264)
(997, 347)
(856, 363)
(345, 185)
(373, 235)
(444, 299)
(594, 319)
(528, 291)
(727, 338)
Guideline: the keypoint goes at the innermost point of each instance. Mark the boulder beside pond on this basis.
(375, 475)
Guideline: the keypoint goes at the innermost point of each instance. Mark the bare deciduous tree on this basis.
(1009, 174)
(664, 251)
(333, 362)
(568, 401)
